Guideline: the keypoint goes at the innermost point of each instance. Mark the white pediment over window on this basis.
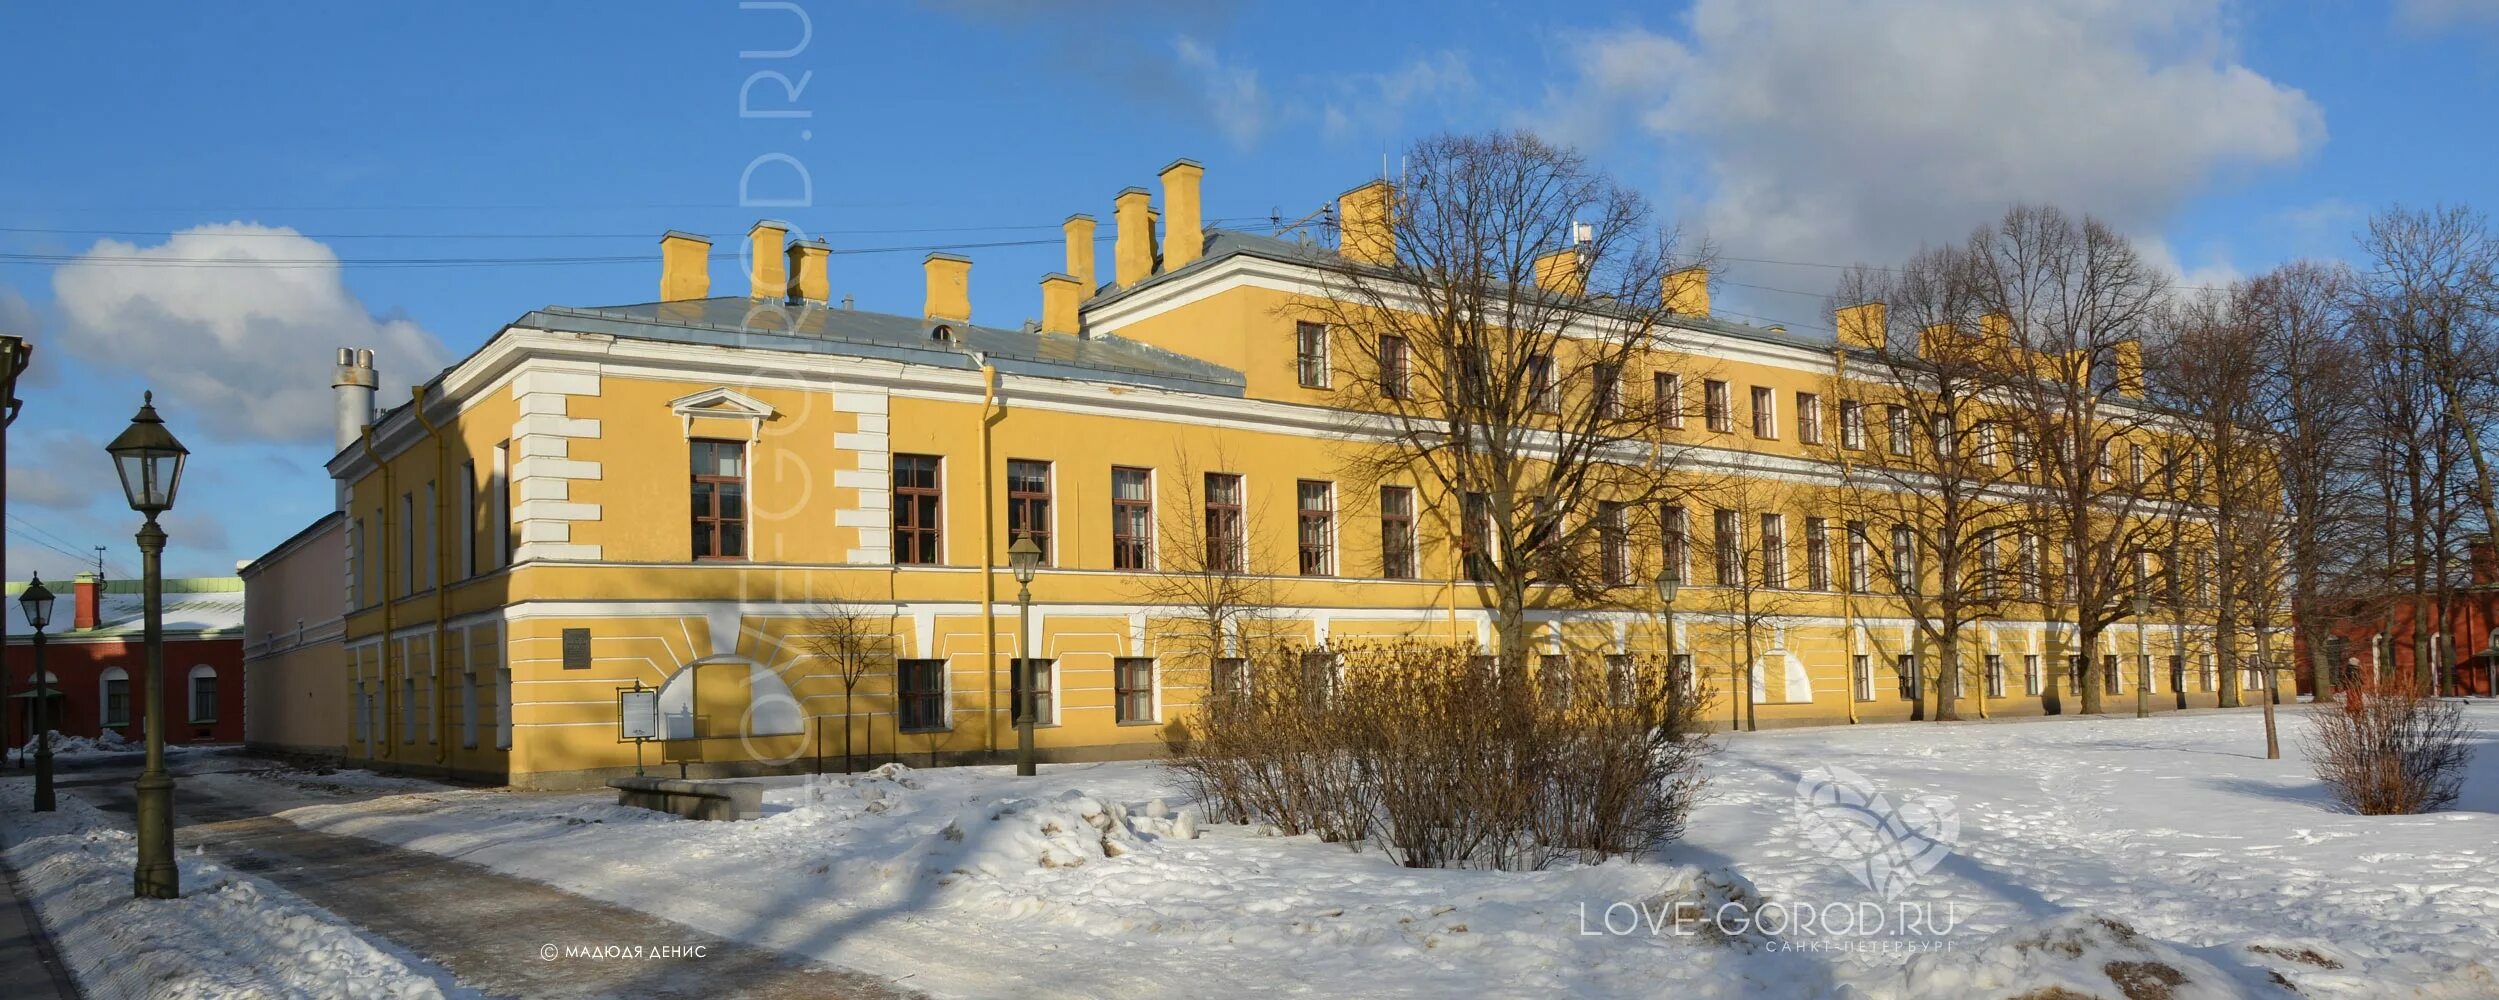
(723, 403)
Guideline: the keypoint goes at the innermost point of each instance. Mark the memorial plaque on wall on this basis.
(576, 649)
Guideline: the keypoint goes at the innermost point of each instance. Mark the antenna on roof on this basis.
(99, 565)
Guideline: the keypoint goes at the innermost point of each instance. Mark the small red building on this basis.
(2376, 639)
(96, 659)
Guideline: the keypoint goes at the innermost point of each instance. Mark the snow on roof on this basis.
(199, 605)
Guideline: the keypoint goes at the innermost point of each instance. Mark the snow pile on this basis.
(2086, 954)
(229, 935)
(1004, 838)
(107, 741)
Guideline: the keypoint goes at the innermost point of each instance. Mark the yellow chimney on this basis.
(1996, 329)
(808, 280)
(1686, 291)
(1860, 325)
(685, 267)
(1132, 257)
(1368, 234)
(1079, 230)
(766, 278)
(1562, 272)
(949, 287)
(1184, 229)
(1060, 295)
(2130, 368)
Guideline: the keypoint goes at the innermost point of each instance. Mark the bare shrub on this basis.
(1442, 760)
(2389, 748)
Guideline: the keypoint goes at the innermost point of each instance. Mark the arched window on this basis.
(114, 697)
(203, 693)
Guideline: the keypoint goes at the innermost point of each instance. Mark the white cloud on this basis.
(1857, 130)
(59, 468)
(17, 318)
(1230, 91)
(243, 351)
(1379, 103)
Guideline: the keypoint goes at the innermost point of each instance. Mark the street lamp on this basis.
(150, 463)
(37, 601)
(1024, 558)
(15, 352)
(1670, 580)
(2143, 655)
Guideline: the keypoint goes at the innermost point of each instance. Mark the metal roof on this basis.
(763, 324)
(193, 606)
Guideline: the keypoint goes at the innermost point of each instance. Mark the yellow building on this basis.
(662, 494)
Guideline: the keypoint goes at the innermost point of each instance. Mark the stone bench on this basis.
(692, 799)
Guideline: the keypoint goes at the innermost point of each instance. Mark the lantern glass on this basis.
(149, 460)
(37, 602)
(1668, 582)
(1024, 557)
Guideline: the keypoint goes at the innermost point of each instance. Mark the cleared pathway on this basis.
(491, 932)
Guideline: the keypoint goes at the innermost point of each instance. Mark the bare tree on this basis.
(1941, 484)
(1756, 593)
(2078, 298)
(1200, 575)
(856, 640)
(1498, 332)
(2428, 306)
(2218, 481)
(2305, 398)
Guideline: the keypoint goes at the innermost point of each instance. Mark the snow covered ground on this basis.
(2112, 857)
(230, 935)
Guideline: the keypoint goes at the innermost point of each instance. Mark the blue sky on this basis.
(328, 145)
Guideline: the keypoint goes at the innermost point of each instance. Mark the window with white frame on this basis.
(1808, 418)
(1995, 676)
(114, 695)
(1774, 551)
(1132, 679)
(1852, 424)
(1861, 674)
(2032, 683)
(203, 706)
(1765, 412)
(1728, 528)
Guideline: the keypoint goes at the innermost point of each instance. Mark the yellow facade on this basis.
(527, 548)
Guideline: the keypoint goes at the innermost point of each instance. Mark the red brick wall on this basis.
(80, 666)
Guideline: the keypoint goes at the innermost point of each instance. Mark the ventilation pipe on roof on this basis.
(1059, 297)
(1133, 254)
(685, 267)
(767, 278)
(1079, 230)
(949, 287)
(1368, 235)
(1184, 225)
(809, 282)
(1686, 291)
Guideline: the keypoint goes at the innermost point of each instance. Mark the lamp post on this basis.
(37, 601)
(150, 463)
(1670, 580)
(1024, 557)
(2143, 656)
(15, 352)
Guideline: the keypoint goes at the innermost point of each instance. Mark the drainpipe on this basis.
(991, 412)
(390, 691)
(442, 576)
(1846, 572)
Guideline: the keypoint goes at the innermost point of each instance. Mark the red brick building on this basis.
(2378, 637)
(95, 655)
